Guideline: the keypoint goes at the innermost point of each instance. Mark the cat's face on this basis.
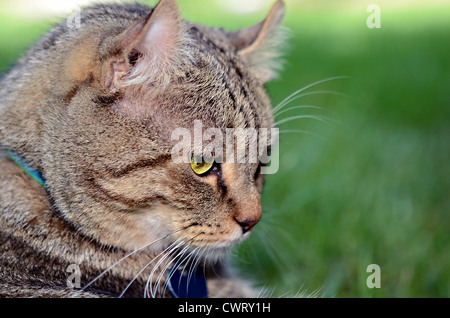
(112, 173)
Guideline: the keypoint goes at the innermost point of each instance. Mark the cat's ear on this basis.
(150, 49)
(261, 45)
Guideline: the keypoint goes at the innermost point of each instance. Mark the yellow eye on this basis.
(199, 165)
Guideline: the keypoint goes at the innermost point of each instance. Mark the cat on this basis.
(91, 204)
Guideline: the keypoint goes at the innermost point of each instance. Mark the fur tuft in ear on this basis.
(262, 44)
(153, 49)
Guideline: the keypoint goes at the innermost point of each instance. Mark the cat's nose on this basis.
(249, 214)
(247, 224)
(248, 211)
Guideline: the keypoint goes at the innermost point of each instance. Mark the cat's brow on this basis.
(143, 163)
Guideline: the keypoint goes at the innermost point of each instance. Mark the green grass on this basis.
(376, 190)
(372, 187)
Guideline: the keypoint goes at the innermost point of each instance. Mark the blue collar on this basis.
(184, 285)
(36, 175)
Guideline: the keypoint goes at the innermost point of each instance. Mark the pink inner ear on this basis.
(160, 39)
(159, 43)
(119, 70)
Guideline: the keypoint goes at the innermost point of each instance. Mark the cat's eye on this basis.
(199, 165)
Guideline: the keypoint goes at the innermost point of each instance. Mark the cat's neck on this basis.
(33, 226)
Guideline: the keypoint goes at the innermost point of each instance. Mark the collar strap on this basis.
(187, 284)
(36, 175)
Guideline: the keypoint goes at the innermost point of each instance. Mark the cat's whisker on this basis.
(190, 256)
(140, 272)
(148, 289)
(288, 119)
(272, 292)
(299, 291)
(188, 260)
(126, 256)
(194, 265)
(175, 267)
(287, 99)
(316, 293)
(167, 255)
(263, 291)
(276, 114)
(185, 260)
(285, 294)
(148, 285)
(307, 94)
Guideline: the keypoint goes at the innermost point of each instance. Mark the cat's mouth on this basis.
(213, 244)
(208, 238)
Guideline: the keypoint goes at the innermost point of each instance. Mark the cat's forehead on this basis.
(211, 47)
(209, 40)
(220, 87)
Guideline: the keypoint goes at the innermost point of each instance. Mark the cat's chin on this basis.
(213, 252)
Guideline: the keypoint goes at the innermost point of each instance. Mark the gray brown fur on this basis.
(103, 146)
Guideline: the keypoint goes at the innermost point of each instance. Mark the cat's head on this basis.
(108, 152)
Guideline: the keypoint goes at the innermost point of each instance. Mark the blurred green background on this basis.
(370, 184)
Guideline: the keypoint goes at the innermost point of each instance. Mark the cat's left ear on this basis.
(151, 49)
(261, 45)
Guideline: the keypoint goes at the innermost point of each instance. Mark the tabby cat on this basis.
(91, 203)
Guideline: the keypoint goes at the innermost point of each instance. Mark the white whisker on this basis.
(150, 288)
(194, 265)
(307, 94)
(126, 256)
(265, 291)
(187, 260)
(287, 99)
(148, 285)
(147, 265)
(176, 267)
(285, 120)
(297, 107)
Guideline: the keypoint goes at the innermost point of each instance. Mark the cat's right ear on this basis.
(149, 49)
(262, 44)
